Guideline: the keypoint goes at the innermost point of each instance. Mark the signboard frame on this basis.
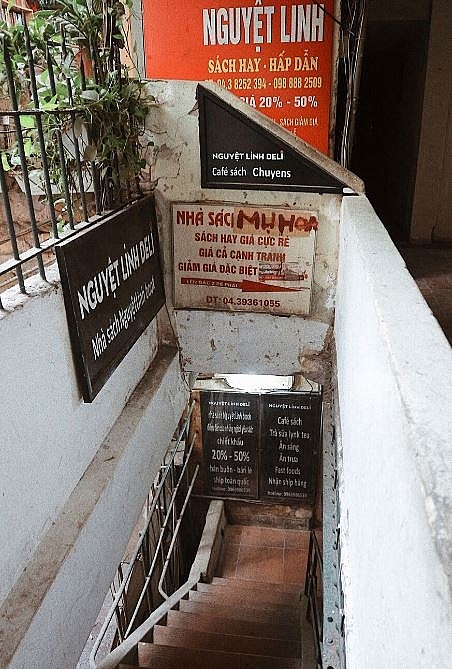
(289, 446)
(230, 434)
(112, 287)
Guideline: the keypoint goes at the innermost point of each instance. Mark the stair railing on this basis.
(313, 591)
(120, 652)
(170, 553)
(129, 644)
(163, 512)
(201, 567)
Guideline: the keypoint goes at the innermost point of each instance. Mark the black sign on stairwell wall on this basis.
(289, 449)
(230, 435)
(112, 287)
(261, 446)
(236, 152)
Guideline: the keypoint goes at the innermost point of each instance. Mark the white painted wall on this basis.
(394, 369)
(44, 450)
(73, 476)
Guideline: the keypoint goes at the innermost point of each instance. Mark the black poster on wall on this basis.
(230, 429)
(113, 288)
(289, 449)
(261, 446)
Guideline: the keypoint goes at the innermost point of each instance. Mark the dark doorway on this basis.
(388, 119)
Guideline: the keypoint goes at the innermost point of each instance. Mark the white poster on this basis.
(230, 257)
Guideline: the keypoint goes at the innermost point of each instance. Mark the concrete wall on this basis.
(394, 369)
(73, 476)
(213, 341)
(44, 452)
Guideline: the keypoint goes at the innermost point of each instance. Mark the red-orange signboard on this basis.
(275, 56)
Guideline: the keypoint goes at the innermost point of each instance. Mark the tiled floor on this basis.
(431, 267)
(264, 554)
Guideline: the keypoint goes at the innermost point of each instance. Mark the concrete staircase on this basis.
(229, 624)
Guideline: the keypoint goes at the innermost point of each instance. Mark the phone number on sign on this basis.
(241, 301)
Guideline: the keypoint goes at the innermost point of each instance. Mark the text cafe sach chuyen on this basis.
(260, 24)
(117, 271)
(258, 171)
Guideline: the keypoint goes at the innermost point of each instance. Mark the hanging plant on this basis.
(72, 88)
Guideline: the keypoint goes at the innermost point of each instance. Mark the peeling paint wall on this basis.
(213, 341)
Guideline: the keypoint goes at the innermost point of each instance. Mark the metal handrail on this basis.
(165, 470)
(175, 535)
(160, 540)
(119, 653)
(161, 534)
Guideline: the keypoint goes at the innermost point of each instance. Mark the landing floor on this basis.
(269, 555)
(264, 554)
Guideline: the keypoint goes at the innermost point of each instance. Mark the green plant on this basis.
(85, 96)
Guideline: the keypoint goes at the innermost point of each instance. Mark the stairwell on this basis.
(251, 616)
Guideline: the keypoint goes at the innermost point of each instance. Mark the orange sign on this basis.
(276, 57)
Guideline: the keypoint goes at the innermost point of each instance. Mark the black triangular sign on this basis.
(236, 152)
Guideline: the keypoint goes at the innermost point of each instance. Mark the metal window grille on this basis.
(52, 182)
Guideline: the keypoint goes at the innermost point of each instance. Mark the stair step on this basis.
(172, 636)
(242, 613)
(212, 622)
(231, 582)
(169, 657)
(275, 610)
(244, 592)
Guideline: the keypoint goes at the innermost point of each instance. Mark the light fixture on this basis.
(258, 382)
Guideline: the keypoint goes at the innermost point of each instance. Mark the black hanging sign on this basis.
(112, 288)
(236, 152)
(230, 428)
(289, 450)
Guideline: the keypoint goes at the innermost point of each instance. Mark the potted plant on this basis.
(81, 110)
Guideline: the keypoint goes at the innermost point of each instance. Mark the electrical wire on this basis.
(342, 25)
(355, 17)
(322, 7)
